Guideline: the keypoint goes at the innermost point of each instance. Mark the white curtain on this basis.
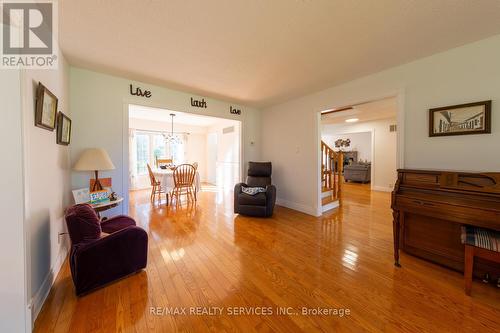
(132, 146)
(177, 151)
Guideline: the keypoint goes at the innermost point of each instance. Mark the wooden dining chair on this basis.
(161, 161)
(195, 165)
(184, 175)
(156, 188)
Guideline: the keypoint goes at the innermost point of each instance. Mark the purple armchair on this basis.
(96, 258)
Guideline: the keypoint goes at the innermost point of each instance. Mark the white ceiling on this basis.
(381, 109)
(261, 52)
(163, 115)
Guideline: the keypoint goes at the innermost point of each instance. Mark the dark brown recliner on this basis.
(96, 260)
(261, 204)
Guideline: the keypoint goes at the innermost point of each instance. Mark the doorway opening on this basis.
(160, 138)
(362, 139)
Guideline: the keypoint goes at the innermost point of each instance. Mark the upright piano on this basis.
(430, 207)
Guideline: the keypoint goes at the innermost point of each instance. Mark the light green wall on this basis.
(99, 113)
(47, 183)
(469, 73)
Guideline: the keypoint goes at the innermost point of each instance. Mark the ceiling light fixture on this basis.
(171, 137)
(351, 120)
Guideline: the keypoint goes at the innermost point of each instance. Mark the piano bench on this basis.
(482, 243)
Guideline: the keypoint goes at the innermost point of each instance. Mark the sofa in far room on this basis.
(358, 172)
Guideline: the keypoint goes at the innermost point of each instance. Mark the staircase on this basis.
(331, 177)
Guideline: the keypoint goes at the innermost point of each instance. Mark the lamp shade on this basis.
(94, 159)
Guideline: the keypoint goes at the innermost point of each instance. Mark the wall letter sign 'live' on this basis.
(139, 92)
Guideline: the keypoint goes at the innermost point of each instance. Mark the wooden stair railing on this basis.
(331, 170)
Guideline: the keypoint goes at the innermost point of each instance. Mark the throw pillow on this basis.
(253, 190)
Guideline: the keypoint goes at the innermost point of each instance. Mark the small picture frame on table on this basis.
(63, 129)
(46, 108)
(98, 197)
(81, 195)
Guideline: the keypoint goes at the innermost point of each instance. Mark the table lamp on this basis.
(94, 159)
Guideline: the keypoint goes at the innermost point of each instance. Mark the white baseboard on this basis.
(40, 296)
(296, 206)
(326, 193)
(330, 206)
(382, 188)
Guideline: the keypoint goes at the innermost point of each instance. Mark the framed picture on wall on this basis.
(63, 129)
(46, 108)
(471, 118)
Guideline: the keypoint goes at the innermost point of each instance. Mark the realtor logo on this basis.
(28, 34)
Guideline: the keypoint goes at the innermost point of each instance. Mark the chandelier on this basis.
(171, 138)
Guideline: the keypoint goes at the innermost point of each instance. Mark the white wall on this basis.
(14, 316)
(384, 167)
(196, 152)
(38, 178)
(466, 74)
(361, 142)
(47, 184)
(212, 158)
(99, 104)
(227, 162)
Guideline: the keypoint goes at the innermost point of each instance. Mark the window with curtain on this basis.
(142, 153)
(177, 150)
(151, 145)
(159, 149)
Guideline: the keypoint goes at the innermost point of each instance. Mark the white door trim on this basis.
(400, 117)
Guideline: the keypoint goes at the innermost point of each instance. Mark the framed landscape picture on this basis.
(63, 129)
(472, 118)
(46, 108)
(81, 196)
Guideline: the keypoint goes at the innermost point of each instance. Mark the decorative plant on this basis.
(341, 143)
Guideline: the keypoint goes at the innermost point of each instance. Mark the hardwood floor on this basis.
(205, 256)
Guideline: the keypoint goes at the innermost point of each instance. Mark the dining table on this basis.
(166, 177)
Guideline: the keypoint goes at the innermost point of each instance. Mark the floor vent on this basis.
(393, 128)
